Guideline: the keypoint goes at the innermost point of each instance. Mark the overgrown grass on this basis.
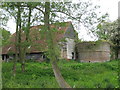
(78, 75)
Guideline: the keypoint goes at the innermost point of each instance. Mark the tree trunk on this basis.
(27, 40)
(23, 66)
(62, 83)
(14, 68)
(16, 41)
(19, 37)
(23, 60)
(16, 53)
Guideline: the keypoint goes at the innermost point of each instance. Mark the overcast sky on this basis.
(106, 6)
(109, 6)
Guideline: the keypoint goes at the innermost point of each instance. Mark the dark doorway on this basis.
(72, 55)
(2, 57)
(76, 55)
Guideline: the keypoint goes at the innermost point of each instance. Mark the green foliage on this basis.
(104, 30)
(78, 75)
(78, 40)
(110, 31)
(93, 45)
(5, 36)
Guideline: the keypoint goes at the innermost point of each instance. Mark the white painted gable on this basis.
(70, 48)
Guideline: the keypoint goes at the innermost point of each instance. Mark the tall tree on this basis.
(110, 31)
(22, 14)
(27, 31)
(15, 10)
(115, 38)
(17, 37)
(66, 10)
(81, 13)
(51, 14)
(11, 9)
(53, 59)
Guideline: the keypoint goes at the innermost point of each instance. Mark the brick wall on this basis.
(90, 52)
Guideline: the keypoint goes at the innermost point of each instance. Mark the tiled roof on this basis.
(38, 40)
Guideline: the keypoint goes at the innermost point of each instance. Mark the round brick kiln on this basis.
(93, 51)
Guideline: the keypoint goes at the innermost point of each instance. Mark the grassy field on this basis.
(78, 75)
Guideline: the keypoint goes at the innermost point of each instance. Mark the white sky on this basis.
(109, 6)
(106, 6)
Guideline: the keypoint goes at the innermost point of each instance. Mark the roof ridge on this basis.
(51, 24)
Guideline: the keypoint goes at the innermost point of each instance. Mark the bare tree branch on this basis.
(40, 10)
(75, 18)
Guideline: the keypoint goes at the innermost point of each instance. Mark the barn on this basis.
(64, 37)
